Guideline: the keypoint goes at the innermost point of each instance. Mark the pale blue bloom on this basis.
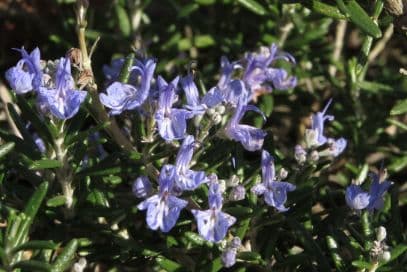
(228, 257)
(186, 179)
(62, 100)
(238, 193)
(258, 75)
(171, 122)
(356, 198)
(251, 138)
(121, 96)
(26, 75)
(163, 209)
(318, 120)
(213, 224)
(275, 192)
(377, 190)
(142, 187)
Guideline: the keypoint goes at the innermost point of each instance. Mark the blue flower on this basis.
(163, 209)
(26, 75)
(356, 198)
(192, 95)
(275, 192)
(186, 179)
(318, 121)
(229, 254)
(238, 193)
(213, 224)
(121, 96)
(142, 187)
(251, 138)
(228, 257)
(378, 188)
(62, 100)
(171, 122)
(258, 73)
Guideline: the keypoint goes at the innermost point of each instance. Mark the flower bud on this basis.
(142, 187)
(210, 112)
(381, 233)
(314, 156)
(237, 193)
(233, 181)
(222, 185)
(229, 257)
(236, 242)
(385, 256)
(282, 174)
(311, 138)
(220, 109)
(197, 120)
(300, 154)
(216, 118)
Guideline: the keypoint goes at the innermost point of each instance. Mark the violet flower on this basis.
(213, 224)
(121, 96)
(142, 187)
(26, 75)
(275, 192)
(258, 73)
(251, 138)
(163, 209)
(377, 190)
(356, 198)
(171, 122)
(62, 100)
(228, 256)
(318, 121)
(186, 179)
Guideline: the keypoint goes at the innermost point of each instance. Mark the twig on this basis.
(381, 44)
(6, 98)
(97, 107)
(339, 37)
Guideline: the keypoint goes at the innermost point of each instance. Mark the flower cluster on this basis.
(357, 199)
(230, 95)
(316, 143)
(51, 81)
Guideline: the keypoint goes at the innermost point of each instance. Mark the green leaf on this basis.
(249, 256)
(205, 2)
(359, 17)
(374, 87)
(239, 211)
(32, 206)
(327, 10)
(126, 68)
(186, 10)
(399, 108)
(253, 6)
(6, 148)
(64, 259)
(202, 41)
(398, 164)
(195, 239)
(397, 251)
(44, 129)
(45, 164)
(124, 21)
(20, 124)
(56, 201)
(35, 245)
(362, 264)
(167, 264)
(33, 266)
